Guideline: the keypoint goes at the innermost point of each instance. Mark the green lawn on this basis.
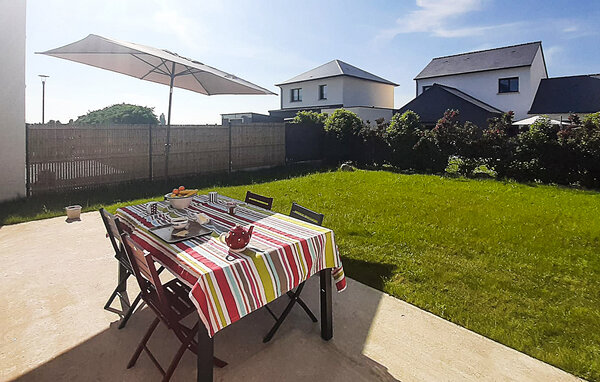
(516, 263)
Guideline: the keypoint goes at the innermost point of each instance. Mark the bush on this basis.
(343, 141)
(448, 137)
(310, 117)
(401, 136)
(539, 144)
(467, 167)
(543, 152)
(343, 124)
(454, 138)
(374, 150)
(498, 142)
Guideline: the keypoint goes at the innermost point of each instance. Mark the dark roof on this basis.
(483, 60)
(573, 94)
(333, 69)
(433, 102)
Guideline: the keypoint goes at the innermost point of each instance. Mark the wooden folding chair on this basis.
(125, 270)
(259, 200)
(309, 216)
(171, 304)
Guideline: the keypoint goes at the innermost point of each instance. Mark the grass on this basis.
(519, 264)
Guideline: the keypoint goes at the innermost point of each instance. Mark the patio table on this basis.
(226, 286)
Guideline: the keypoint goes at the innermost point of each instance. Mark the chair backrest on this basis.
(259, 200)
(148, 279)
(110, 223)
(303, 213)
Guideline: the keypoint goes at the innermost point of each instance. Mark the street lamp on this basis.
(43, 77)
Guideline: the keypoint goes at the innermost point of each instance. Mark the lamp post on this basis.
(43, 77)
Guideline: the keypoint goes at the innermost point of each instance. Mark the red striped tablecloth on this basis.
(226, 286)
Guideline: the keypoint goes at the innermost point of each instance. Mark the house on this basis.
(432, 104)
(334, 85)
(561, 96)
(504, 79)
(244, 118)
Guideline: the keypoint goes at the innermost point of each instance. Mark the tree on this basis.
(119, 114)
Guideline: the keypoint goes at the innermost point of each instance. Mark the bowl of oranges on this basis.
(181, 197)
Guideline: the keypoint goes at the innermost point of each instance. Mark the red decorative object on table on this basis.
(238, 237)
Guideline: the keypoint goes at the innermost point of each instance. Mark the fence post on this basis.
(27, 169)
(150, 152)
(230, 165)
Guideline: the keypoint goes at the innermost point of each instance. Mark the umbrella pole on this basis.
(168, 144)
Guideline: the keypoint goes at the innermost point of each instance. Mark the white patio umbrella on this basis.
(156, 65)
(532, 120)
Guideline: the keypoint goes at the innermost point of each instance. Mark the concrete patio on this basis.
(57, 276)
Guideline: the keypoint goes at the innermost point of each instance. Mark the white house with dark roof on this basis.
(334, 85)
(505, 78)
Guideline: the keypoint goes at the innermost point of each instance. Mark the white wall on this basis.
(368, 113)
(358, 92)
(310, 93)
(484, 86)
(12, 99)
(341, 90)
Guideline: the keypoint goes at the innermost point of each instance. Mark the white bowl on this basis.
(73, 212)
(179, 222)
(181, 202)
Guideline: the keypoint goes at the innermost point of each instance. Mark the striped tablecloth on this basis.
(226, 286)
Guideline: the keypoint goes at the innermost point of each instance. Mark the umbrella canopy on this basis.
(532, 120)
(155, 65)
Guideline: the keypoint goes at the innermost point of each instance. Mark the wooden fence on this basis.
(67, 157)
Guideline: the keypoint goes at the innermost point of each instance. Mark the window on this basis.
(296, 95)
(427, 87)
(322, 91)
(508, 85)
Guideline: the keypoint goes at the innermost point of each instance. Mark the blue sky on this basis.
(267, 42)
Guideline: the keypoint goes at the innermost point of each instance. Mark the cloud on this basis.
(439, 18)
(552, 53)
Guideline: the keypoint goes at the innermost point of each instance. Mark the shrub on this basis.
(342, 138)
(498, 142)
(374, 149)
(310, 117)
(467, 167)
(343, 124)
(448, 137)
(454, 138)
(401, 136)
(539, 144)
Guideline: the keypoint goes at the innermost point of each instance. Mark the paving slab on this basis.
(56, 277)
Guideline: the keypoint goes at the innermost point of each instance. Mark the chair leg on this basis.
(117, 292)
(281, 318)
(184, 346)
(130, 311)
(142, 344)
(294, 298)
